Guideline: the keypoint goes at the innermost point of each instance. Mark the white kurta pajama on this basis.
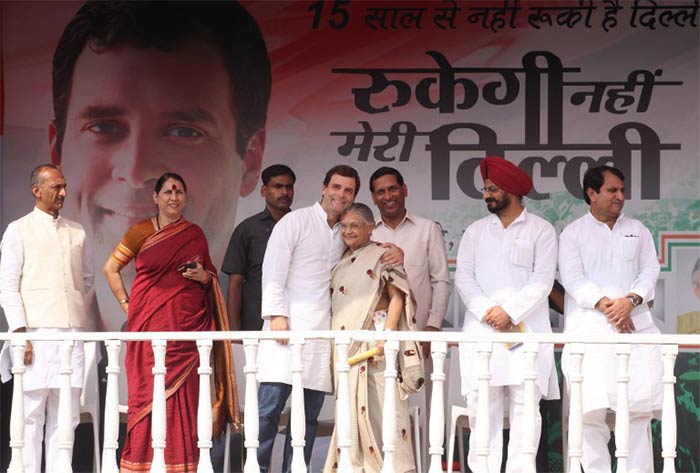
(595, 262)
(513, 267)
(58, 244)
(299, 259)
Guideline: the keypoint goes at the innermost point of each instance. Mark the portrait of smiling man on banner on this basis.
(144, 88)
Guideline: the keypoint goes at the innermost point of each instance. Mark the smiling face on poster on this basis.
(134, 114)
(139, 90)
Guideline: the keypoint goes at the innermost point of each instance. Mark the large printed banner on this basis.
(428, 87)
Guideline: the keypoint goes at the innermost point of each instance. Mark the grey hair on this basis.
(36, 179)
(362, 210)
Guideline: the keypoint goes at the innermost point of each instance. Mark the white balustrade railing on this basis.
(251, 426)
(113, 342)
(575, 410)
(530, 402)
(65, 432)
(622, 411)
(389, 419)
(668, 420)
(298, 418)
(437, 417)
(111, 417)
(343, 416)
(17, 417)
(204, 418)
(483, 427)
(158, 423)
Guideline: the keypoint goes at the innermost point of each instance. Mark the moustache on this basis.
(489, 200)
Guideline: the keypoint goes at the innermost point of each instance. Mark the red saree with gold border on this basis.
(162, 300)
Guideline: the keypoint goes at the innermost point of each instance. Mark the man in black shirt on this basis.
(244, 256)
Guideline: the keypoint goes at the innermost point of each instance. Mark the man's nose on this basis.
(138, 162)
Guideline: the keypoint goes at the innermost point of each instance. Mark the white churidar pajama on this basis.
(513, 267)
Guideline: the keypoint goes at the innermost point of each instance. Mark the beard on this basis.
(497, 205)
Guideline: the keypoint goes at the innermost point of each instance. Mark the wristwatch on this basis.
(635, 300)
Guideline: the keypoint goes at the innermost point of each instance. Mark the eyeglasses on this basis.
(490, 190)
(353, 227)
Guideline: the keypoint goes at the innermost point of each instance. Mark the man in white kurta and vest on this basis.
(505, 270)
(45, 273)
(608, 266)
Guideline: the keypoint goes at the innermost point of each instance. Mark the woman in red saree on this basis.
(175, 289)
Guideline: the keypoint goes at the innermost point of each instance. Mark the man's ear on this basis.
(252, 162)
(53, 150)
(405, 189)
(591, 194)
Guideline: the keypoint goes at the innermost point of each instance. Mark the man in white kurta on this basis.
(505, 269)
(45, 273)
(608, 266)
(304, 247)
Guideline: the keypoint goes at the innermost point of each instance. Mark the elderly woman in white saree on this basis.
(367, 295)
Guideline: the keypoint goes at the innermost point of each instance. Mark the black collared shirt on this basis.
(244, 256)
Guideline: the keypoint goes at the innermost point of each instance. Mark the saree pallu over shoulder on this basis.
(225, 406)
(358, 283)
(362, 273)
(131, 242)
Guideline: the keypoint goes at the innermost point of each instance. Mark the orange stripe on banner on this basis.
(674, 236)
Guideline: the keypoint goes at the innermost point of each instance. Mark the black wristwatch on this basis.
(635, 300)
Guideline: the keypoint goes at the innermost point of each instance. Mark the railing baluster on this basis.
(17, 416)
(204, 420)
(65, 432)
(111, 419)
(298, 417)
(251, 423)
(483, 426)
(391, 347)
(158, 421)
(622, 412)
(437, 407)
(575, 440)
(668, 415)
(343, 407)
(530, 403)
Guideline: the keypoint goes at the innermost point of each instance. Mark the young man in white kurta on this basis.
(304, 247)
(608, 266)
(45, 273)
(506, 262)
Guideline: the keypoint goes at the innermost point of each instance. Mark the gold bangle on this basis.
(123, 301)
